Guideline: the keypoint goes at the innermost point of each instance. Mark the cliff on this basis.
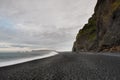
(102, 32)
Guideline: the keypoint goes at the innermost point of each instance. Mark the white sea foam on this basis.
(18, 61)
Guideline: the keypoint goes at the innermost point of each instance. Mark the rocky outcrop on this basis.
(102, 32)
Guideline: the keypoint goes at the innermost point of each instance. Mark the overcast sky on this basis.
(43, 24)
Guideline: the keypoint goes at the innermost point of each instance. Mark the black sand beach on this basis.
(66, 66)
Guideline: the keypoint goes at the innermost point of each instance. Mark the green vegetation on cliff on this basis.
(102, 30)
(87, 34)
(89, 30)
(115, 5)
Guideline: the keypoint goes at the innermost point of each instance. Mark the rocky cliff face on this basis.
(102, 32)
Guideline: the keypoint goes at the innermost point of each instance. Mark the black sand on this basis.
(66, 66)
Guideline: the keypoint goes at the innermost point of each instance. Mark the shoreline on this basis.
(65, 66)
(24, 60)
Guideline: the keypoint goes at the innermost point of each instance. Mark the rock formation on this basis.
(102, 32)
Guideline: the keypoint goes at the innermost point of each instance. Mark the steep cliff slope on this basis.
(102, 32)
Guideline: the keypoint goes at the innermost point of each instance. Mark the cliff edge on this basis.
(102, 32)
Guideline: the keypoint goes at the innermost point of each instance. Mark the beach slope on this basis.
(66, 66)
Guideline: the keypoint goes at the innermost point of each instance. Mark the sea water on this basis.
(12, 58)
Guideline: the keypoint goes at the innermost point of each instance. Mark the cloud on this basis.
(43, 23)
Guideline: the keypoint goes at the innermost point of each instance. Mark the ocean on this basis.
(12, 58)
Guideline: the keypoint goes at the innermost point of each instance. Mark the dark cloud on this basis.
(20, 46)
